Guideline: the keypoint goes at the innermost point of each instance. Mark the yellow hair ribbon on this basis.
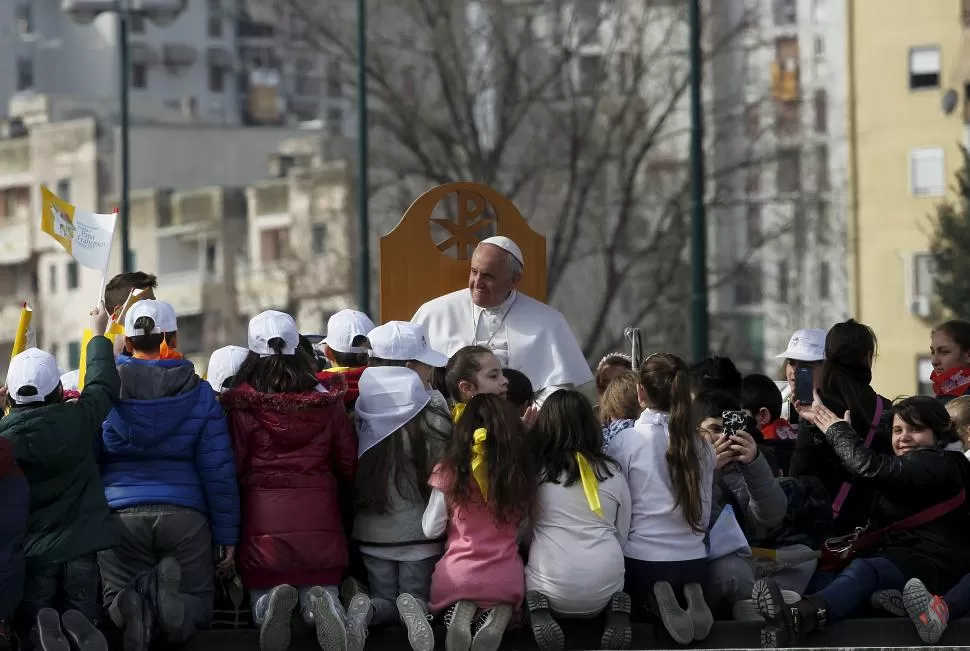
(479, 464)
(457, 411)
(337, 369)
(591, 485)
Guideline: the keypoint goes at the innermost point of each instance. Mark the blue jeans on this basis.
(856, 583)
(958, 598)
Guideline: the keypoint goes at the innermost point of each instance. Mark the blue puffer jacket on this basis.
(14, 507)
(166, 442)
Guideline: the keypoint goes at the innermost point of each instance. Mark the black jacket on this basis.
(936, 552)
(813, 456)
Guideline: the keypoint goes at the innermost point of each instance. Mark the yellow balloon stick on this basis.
(20, 339)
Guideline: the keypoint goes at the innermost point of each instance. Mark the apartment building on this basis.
(908, 99)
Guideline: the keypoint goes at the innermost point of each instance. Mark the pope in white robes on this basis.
(525, 334)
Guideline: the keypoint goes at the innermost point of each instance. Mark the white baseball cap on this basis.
(390, 396)
(32, 368)
(807, 345)
(344, 327)
(223, 364)
(71, 380)
(146, 307)
(273, 325)
(167, 321)
(506, 244)
(404, 341)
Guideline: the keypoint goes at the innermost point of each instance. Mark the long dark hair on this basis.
(277, 373)
(462, 367)
(666, 382)
(512, 481)
(924, 412)
(849, 349)
(567, 425)
(404, 459)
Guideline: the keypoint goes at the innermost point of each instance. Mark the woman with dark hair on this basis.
(843, 385)
(917, 479)
(293, 443)
(575, 567)
(950, 355)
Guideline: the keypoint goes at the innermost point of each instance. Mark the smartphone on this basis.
(734, 422)
(804, 385)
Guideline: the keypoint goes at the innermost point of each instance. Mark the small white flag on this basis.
(85, 235)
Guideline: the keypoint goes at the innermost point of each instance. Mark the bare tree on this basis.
(577, 111)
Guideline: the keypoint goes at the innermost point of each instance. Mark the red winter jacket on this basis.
(352, 377)
(291, 450)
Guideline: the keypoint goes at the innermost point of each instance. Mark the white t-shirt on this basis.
(576, 556)
(658, 530)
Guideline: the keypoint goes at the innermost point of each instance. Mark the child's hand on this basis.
(99, 320)
(530, 416)
(723, 452)
(224, 565)
(744, 448)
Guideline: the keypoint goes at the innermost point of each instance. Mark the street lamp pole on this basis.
(698, 217)
(363, 217)
(123, 72)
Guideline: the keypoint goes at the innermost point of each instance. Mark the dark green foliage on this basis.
(950, 246)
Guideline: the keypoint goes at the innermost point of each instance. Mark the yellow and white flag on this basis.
(85, 235)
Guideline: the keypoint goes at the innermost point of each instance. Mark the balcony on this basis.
(271, 198)
(14, 157)
(184, 291)
(15, 241)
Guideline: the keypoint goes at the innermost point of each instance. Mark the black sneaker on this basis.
(458, 622)
(617, 633)
(49, 631)
(169, 608)
(545, 628)
(84, 634)
(132, 607)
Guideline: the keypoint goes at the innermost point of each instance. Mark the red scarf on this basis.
(955, 382)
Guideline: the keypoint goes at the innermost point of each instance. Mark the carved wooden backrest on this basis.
(417, 265)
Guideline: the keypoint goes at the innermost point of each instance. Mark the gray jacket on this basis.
(753, 491)
(401, 525)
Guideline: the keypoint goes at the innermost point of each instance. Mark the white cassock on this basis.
(524, 334)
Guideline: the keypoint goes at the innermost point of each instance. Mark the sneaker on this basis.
(545, 628)
(675, 619)
(779, 628)
(698, 610)
(746, 610)
(618, 634)
(458, 622)
(415, 617)
(889, 600)
(349, 589)
(132, 608)
(168, 605)
(329, 620)
(359, 613)
(84, 634)
(489, 628)
(49, 631)
(930, 614)
(274, 630)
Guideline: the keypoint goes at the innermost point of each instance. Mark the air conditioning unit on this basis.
(920, 306)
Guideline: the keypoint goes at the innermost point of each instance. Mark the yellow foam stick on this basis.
(20, 339)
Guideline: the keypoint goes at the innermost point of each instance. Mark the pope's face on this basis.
(491, 279)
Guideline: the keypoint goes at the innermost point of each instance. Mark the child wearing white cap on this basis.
(400, 343)
(223, 366)
(295, 448)
(346, 347)
(169, 474)
(69, 520)
(402, 435)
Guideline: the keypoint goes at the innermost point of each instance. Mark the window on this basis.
(824, 280)
(924, 67)
(14, 202)
(753, 180)
(273, 244)
(335, 121)
(25, 19)
(747, 289)
(789, 170)
(139, 75)
(924, 386)
(217, 78)
(783, 281)
(136, 24)
(25, 74)
(52, 278)
(215, 19)
(319, 236)
(821, 101)
(64, 189)
(788, 118)
(590, 72)
(409, 84)
(210, 258)
(752, 121)
(785, 12)
(74, 354)
(822, 161)
(72, 275)
(927, 173)
(921, 282)
(965, 20)
(819, 47)
(335, 80)
(822, 225)
(755, 234)
(55, 353)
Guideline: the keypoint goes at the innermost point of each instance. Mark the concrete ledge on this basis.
(883, 633)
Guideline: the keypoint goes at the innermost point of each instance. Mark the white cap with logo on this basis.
(167, 321)
(404, 341)
(270, 325)
(223, 364)
(807, 345)
(32, 368)
(346, 326)
(146, 307)
(390, 396)
(506, 244)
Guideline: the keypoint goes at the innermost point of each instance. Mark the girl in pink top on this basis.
(483, 489)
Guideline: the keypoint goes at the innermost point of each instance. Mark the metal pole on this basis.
(363, 218)
(125, 214)
(698, 219)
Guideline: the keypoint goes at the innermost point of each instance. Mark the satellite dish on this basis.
(85, 11)
(949, 102)
(160, 12)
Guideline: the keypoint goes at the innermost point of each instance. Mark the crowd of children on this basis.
(383, 483)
